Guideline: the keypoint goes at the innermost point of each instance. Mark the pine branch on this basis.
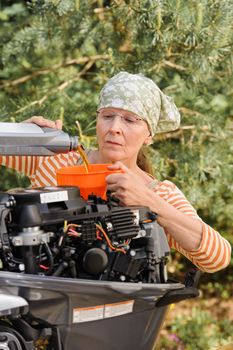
(100, 10)
(190, 111)
(43, 71)
(174, 134)
(59, 88)
(179, 133)
(164, 63)
(173, 65)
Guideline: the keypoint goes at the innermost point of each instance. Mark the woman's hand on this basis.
(128, 187)
(41, 121)
(131, 189)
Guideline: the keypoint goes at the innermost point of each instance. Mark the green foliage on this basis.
(198, 331)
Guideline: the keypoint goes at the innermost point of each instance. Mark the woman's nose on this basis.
(116, 124)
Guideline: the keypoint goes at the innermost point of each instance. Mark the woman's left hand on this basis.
(128, 187)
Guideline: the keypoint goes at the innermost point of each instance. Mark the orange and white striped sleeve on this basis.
(214, 251)
(23, 164)
(45, 174)
(40, 170)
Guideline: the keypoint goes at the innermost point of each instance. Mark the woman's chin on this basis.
(111, 156)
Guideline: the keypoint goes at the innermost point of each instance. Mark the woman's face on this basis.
(120, 135)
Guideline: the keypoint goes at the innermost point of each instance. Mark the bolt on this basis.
(17, 241)
(142, 233)
(109, 226)
(21, 267)
(132, 252)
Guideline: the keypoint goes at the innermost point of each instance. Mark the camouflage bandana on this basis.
(140, 95)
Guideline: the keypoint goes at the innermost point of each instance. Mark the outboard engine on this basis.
(76, 274)
(54, 232)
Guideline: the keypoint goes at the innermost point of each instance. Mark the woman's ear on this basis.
(148, 141)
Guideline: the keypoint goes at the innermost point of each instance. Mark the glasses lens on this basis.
(126, 119)
(129, 119)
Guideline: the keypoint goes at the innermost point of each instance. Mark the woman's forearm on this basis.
(187, 231)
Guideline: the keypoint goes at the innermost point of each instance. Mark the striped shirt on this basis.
(214, 251)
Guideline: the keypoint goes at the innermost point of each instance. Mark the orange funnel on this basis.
(92, 182)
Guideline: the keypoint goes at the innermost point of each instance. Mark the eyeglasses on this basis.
(126, 119)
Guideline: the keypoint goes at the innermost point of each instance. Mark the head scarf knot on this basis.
(140, 95)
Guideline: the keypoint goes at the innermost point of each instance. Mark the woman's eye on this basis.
(107, 117)
(130, 120)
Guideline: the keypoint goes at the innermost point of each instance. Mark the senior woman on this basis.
(131, 110)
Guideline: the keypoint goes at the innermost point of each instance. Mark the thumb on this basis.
(58, 124)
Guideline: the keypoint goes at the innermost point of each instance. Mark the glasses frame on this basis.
(132, 120)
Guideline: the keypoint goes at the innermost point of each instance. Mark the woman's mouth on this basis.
(114, 143)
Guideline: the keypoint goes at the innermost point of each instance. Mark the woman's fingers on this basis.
(41, 121)
(113, 178)
(112, 187)
(122, 185)
(58, 124)
(118, 166)
(118, 179)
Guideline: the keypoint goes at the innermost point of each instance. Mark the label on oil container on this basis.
(100, 312)
(51, 197)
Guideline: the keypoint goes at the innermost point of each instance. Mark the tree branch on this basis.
(176, 134)
(43, 71)
(164, 63)
(190, 111)
(173, 65)
(179, 133)
(56, 89)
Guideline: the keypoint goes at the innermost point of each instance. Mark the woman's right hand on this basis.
(41, 121)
